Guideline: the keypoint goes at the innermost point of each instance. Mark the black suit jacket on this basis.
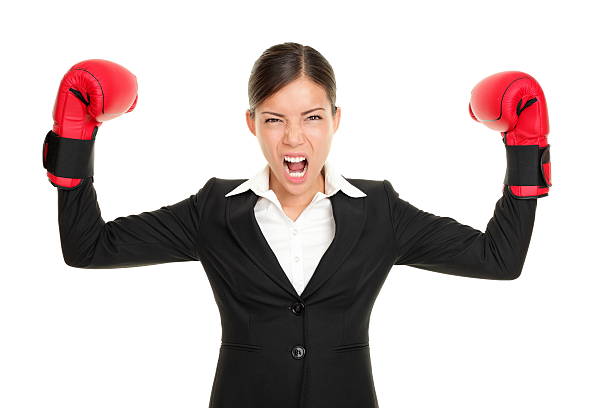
(280, 349)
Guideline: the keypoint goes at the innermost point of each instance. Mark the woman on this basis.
(297, 254)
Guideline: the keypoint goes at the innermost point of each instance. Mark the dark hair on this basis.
(282, 63)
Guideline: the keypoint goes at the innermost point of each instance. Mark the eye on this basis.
(266, 121)
(315, 116)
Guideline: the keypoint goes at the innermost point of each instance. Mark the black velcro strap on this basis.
(524, 165)
(70, 158)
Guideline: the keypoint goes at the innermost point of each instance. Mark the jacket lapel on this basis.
(349, 216)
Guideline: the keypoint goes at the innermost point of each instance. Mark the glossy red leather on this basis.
(496, 102)
(109, 88)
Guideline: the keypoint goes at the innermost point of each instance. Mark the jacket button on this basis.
(298, 352)
(297, 308)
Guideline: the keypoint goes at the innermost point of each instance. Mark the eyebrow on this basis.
(303, 113)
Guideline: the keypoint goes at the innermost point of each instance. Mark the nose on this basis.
(294, 135)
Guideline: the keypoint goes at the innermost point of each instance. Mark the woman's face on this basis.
(296, 120)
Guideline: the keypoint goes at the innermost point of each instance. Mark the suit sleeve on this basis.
(441, 244)
(168, 234)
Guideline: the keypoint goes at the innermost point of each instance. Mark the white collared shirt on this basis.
(300, 244)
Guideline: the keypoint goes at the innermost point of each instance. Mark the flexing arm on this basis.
(513, 103)
(168, 234)
(441, 244)
(90, 93)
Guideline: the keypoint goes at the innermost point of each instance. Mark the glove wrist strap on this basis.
(525, 165)
(69, 158)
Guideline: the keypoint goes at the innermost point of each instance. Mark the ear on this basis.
(250, 122)
(337, 118)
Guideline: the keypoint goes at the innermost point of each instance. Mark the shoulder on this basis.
(368, 186)
(222, 186)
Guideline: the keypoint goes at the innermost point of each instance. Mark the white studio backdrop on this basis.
(149, 336)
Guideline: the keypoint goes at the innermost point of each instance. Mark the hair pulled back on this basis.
(282, 63)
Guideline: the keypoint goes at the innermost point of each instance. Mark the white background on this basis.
(149, 336)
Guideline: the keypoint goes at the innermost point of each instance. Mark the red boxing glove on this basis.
(90, 93)
(513, 103)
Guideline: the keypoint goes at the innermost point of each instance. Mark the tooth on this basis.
(294, 159)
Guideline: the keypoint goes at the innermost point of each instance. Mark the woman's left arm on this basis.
(441, 244)
(513, 103)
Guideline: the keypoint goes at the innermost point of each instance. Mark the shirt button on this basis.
(297, 259)
(298, 352)
(294, 231)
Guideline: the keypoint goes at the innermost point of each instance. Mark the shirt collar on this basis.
(334, 182)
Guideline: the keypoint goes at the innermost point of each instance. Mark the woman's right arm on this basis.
(90, 93)
(168, 234)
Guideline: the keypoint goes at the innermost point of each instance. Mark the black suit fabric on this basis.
(281, 349)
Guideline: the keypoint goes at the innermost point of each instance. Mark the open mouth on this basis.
(295, 168)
